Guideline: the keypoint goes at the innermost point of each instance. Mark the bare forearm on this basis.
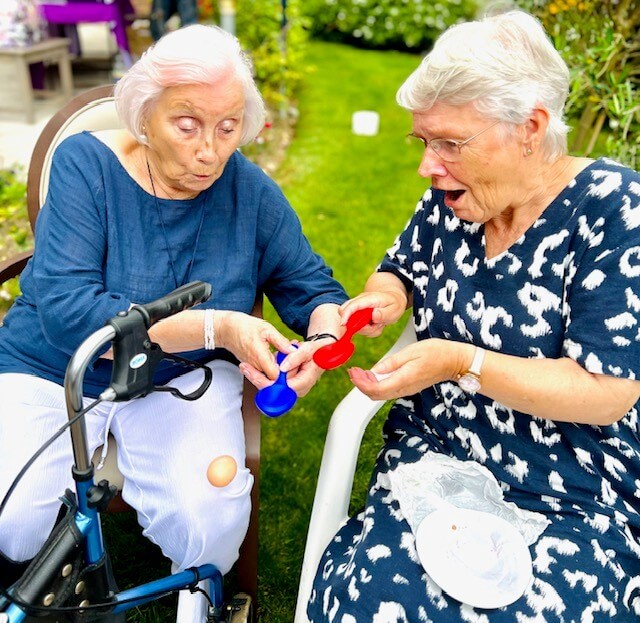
(557, 389)
(386, 295)
(389, 283)
(181, 332)
(553, 389)
(325, 319)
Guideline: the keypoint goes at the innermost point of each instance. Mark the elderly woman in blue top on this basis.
(521, 266)
(130, 215)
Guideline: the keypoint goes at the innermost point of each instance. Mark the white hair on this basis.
(195, 54)
(505, 65)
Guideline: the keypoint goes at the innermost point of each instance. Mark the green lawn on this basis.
(353, 195)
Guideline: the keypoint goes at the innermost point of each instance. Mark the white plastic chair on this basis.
(335, 479)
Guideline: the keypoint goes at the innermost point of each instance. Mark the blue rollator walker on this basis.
(71, 577)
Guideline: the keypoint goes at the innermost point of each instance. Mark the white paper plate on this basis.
(478, 558)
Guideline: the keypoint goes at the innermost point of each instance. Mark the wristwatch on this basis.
(469, 381)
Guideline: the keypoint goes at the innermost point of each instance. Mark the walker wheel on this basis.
(240, 609)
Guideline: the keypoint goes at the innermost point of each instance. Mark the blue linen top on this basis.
(568, 287)
(99, 247)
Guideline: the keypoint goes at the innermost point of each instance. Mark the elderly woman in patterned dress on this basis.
(521, 267)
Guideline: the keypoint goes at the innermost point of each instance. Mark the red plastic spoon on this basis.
(334, 355)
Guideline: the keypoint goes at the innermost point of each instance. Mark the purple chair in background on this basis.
(72, 12)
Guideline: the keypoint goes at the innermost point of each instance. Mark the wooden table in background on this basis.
(17, 92)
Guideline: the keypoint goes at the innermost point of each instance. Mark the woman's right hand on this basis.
(387, 309)
(250, 339)
(412, 369)
(388, 297)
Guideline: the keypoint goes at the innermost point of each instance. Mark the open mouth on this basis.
(451, 196)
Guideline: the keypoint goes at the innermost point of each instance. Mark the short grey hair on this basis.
(195, 54)
(504, 64)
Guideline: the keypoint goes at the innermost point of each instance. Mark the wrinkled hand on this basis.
(409, 371)
(388, 308)
(251, 340)
(302, 372)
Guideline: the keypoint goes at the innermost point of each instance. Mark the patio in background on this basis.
(93, 68)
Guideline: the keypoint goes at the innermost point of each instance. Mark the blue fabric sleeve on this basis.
(70, 295)
(294, 278)
(101, 245)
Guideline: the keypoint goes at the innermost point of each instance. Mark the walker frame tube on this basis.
(87, 517)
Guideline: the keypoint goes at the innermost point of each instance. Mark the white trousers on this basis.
(164, 448)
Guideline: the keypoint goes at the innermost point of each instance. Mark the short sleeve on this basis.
(603, 296)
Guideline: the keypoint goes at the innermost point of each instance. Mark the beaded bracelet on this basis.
(320, 336)
(209, 331)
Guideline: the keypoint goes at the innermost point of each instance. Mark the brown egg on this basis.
(222, 470)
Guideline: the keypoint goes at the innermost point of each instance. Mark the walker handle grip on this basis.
(184, 297)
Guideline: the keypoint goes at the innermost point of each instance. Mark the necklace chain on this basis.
(164, 231)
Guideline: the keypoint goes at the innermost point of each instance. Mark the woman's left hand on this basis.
(302, 372)
(412, 369)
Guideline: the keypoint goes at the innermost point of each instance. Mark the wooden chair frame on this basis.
(37, 183)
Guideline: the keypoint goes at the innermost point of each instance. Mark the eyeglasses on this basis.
(448, 149)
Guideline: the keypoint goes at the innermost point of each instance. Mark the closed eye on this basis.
(228, 126)
(187, 124)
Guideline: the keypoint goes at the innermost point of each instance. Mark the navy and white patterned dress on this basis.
(569, 287)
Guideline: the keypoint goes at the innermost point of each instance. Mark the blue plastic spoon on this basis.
(276, 399)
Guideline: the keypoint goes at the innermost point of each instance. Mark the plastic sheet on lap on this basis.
(437, 480)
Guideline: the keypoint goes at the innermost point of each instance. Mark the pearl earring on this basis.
(529, 151)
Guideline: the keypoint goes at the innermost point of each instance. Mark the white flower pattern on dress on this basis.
(569, 287)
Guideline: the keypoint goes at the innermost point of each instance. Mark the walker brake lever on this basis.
(136, 357)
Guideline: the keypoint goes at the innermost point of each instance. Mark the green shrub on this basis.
(276, 46)
(277, 49)
(276, 42)
(397, 24)
(15, 232)
(600, 43)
